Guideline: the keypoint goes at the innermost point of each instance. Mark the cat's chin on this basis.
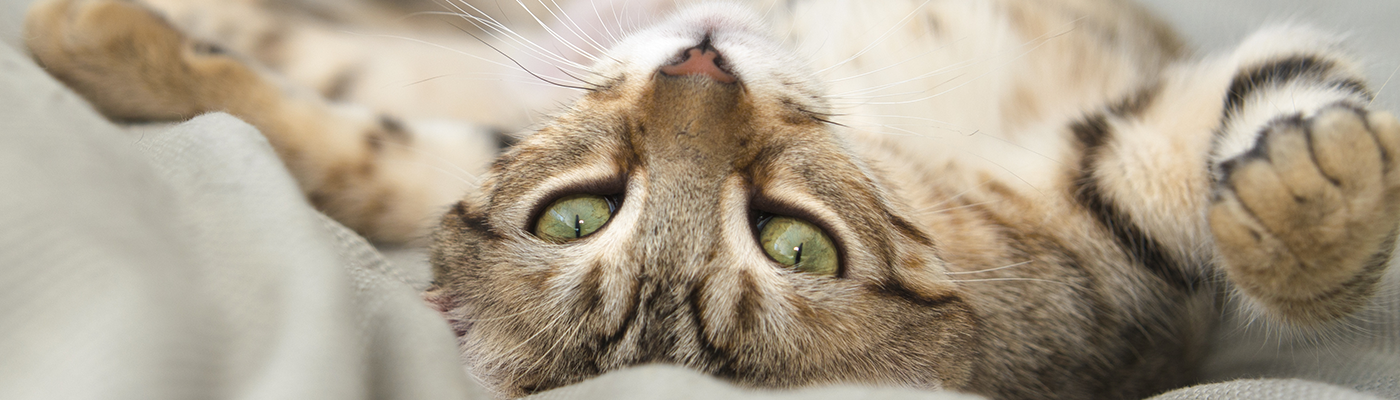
(749, 49)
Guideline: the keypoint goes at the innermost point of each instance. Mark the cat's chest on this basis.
(963, 82)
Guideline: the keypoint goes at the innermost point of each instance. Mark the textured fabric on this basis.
(184, 263)
(1265, 389)
(1357, 358)
(674, 383)
(1362, 353)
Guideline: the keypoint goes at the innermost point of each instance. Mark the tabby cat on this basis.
(1016, 198)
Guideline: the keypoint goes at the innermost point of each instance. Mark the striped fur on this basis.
(1031, 199)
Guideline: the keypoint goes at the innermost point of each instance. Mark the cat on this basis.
(1014, 198)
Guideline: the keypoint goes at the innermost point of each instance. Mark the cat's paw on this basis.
(1305, 221)
(123, 57)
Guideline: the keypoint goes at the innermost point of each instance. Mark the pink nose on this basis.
(700, 60)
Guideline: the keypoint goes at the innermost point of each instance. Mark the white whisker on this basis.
(491, 25)
(553, 33)
(603, 23)
(424, 42)
(1016, 279)
(514, 79)
(926, 90)
(577, 329)
(989, 269)
(1019, 146)
(959, 194)
(1009, 171)
(522, 44)
(578, 30)
(549, 326)
(953, 208)
(548, 79)
(527, 310)
(905, 132)
(960, 128)
(1383, 85)
(877, 40)
(472, 183)
(878, 70)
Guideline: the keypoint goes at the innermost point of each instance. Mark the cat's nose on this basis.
(700, 60)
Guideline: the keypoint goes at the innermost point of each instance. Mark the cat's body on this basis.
(1024, 199)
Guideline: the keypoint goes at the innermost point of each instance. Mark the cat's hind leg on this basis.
(382, 176)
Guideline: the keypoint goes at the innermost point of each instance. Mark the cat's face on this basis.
(666, 219)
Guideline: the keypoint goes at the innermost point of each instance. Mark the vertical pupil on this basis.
(578, 226)
(798, 249)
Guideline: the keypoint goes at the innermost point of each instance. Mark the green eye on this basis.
(573, 217)
(794, 242)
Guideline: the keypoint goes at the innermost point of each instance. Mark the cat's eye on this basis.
(574, 217)
(797, 243)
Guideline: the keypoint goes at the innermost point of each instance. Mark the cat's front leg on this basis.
(1306, 197)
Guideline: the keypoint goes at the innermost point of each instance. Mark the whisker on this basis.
(577, 29)
(475, 179)
(1073, 285)
(501, 78)
(553, 33)
(503, 12)
(490, 25)
(906, 132)
(877, 40)
(989, 269)
(1383, 85)
(865, 99)
(878, 70)
(522, 67)
(960, 128)
(1018, 145)
(959, 194)
(577, 329)
(769, 11)
(603, 23)
(594, 85)
(424, 42)
(953, 208)
(527, 310)
(1018, 177)
(417, 14)
(424, 80)
(558, 317)
(473, 183)
(926, 90)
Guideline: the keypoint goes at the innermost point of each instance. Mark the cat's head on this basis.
(699, 213)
